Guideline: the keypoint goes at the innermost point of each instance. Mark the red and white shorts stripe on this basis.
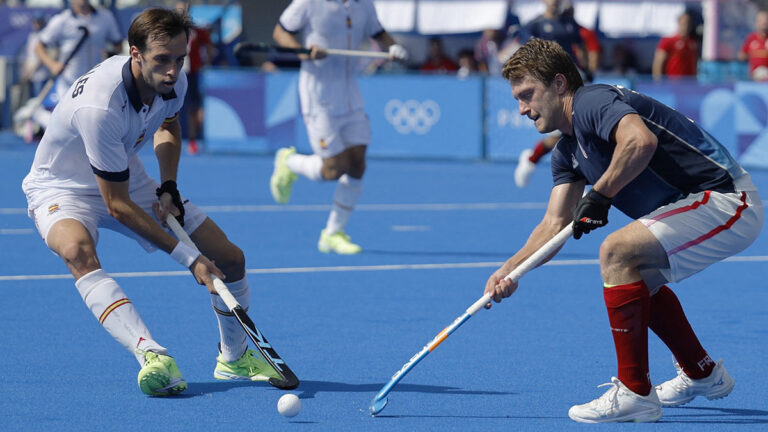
(704, 228)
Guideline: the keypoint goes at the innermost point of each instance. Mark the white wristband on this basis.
(184, 254)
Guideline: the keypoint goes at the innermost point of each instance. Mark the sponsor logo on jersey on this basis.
(53, 209)
(323, 144)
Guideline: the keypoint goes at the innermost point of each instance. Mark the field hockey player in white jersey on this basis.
(87, 175)
(332, 105)
(65, 31)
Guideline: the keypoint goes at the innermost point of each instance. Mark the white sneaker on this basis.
(683, 389)
(618, 404)
(525, 169)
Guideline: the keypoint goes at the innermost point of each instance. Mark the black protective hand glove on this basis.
(591, 213)
(169, 186)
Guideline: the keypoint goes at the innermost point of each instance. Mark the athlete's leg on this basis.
(526, 164)
(235, 360)
(214, 244)
(348, 188)
(623, 255)
(70, 239)
(627, 300)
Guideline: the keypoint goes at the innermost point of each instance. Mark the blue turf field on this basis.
(432, 233)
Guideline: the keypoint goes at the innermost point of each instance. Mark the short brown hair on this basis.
(542, 60)
(157, 23)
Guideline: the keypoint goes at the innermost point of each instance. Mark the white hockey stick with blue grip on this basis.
(380, 401)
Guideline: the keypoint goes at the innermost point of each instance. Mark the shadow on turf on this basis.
(310, 388)
(500, 255)
(714, 415)
(202, 388)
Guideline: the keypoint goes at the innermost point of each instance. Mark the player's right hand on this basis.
(498, 287)
(202, 269)
(317, 53)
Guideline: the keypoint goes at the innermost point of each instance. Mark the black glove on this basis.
(169, 186)
(591, 213)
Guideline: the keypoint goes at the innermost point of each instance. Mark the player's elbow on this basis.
(278, 34)
(117, 209)
(646, 143)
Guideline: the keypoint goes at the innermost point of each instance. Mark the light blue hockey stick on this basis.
(380, 401)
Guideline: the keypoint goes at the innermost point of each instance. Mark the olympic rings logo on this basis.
(412, 115)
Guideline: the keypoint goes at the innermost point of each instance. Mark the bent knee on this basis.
(79, 255)
(333, 173)
(612, 251)
(232, 263)
(357, 169)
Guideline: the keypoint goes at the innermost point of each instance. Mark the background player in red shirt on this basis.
(200, 53)
(755, 48)
(437, 61)
(676, 56)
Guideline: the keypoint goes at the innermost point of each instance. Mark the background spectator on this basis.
(623, 62)
(437, 61)
(200, 53)
(467, 63)
(487, 51)
(755, 48)
(677, 55)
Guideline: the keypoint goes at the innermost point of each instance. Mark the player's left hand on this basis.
(591, 213)
(169, 201)
(398, 52)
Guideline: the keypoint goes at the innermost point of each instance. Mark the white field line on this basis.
(386, 267)
(359, 207)
(16, 231)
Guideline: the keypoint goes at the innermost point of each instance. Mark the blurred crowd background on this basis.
(700, 41)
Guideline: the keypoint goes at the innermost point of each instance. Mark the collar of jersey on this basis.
(93, 11)
(133, 92)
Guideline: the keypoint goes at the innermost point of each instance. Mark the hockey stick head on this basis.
(289, 383)
(378, 404)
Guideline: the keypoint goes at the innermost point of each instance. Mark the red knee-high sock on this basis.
(628, 310)
(668, 321)
(538, 152)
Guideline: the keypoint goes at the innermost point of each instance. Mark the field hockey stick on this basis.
(25, 112)
(533, 261)
(243, 47)
(289, 380)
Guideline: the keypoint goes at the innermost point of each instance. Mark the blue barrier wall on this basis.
(446, 117)
(410, 116)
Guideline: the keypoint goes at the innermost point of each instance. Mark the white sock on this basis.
(310, 166)
(233, 338)
(116, 313)
(348, 190)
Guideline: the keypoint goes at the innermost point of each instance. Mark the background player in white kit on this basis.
(62, 30)
(87, 175)
(332, 105)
